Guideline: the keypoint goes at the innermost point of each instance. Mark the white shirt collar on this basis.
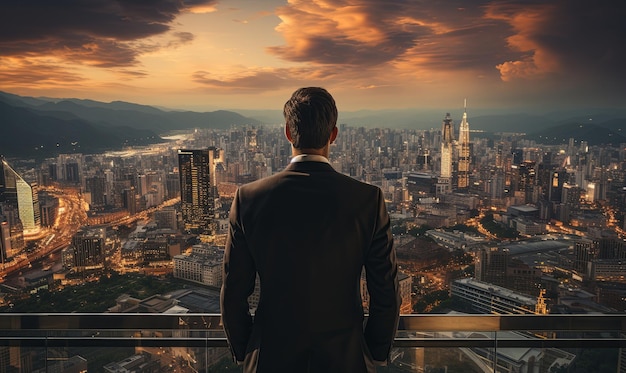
(309, 158)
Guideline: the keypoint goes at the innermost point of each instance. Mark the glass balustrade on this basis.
(424, 343)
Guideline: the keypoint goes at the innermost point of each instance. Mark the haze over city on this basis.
(209, 54)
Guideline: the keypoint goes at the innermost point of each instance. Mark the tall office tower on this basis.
(9, 213)
(517, 156)
(198, 189)
(172, 185)
(584, 252)
(464, 152)
(68, 167)
(129, 198)
(88, 249)
(446, 147)
(444, 183)
(5, 241)
(16, 192)
(499, 155)
(571, 196)
(96, 186)
(555, 188)
(523, 181)
(49, 206)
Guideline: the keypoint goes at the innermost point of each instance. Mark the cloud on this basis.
(251, 80)
(131, 74)
(570, 39)
(93, 32)
(507, 40)
(21, 73)
(410, 37)
(266, 79)
(350, 32)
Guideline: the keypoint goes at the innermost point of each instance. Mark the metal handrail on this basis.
(205, 330)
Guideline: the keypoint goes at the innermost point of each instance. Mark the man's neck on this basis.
(323, 151)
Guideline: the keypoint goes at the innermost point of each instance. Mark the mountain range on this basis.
(43, 127)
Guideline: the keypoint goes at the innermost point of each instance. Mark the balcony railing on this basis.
(191, 340)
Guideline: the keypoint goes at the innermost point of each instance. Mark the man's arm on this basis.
(238, 284)
(382, 284)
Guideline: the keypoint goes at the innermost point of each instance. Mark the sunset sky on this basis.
(230, 54)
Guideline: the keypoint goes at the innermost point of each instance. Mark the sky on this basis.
(239, 54)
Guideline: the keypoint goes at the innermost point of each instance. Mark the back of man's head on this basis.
(310, 115)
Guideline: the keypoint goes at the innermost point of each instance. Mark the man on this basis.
(308, 231)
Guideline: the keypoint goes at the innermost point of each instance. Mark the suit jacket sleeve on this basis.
(238, 284)
(382, 284)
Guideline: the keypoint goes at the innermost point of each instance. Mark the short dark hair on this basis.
(310, 115)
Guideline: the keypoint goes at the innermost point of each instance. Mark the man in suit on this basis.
(308, 232)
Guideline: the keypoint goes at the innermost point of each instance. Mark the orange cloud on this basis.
(353, 32)
(526, 21)
(19, 73)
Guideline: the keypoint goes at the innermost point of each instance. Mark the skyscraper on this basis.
(464, 152)
(445, 175)
(198, 189)
(5, 241)
(17, 193)
(526, 181)
(446, 147)
(88, 249)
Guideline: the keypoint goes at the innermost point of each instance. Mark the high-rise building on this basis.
(198, 189)
(524, 183)
(172, 185)
(96, 186)
(444, 183)
(464, 152)
(129, 197)
(48, 206)
(68, 168)
(446, 147)
(558, 178)
(5, 241)
(88, 246)
(19, 194)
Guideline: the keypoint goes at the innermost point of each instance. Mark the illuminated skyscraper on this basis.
(198, 189)
(525, 181)
(20, 195)
(447, 146)
(464, 152)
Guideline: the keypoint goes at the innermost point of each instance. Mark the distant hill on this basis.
(27, 123)
(32, 127)
(608, 133)
(36, 134)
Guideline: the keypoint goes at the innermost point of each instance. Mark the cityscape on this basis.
(496, 131)
(482, 223)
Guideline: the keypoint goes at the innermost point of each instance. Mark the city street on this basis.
(71, 216)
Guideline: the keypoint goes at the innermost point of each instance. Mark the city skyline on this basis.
(209, 54)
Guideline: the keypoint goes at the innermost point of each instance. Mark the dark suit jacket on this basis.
(308, 231)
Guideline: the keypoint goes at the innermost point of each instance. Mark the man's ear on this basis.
(288, 134)
(333, 134)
